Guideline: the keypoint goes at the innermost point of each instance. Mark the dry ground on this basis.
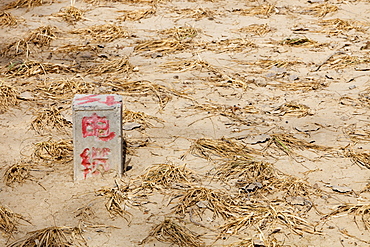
(254, 124)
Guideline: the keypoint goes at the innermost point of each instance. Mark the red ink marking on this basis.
(97, 126)
(110, 101)
(95, 160)
(87, 99)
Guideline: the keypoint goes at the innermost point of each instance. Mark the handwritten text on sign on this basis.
(94, 161)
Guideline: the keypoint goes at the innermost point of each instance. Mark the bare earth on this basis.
(209, 75)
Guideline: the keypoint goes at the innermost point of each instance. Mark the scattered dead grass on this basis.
(199, 198)
(162, 45)
(70, 48)
(145, 88)
(264, 217)
(119, 65)
(360, 210)
(359, 158)
(136, 15)
(183, 65)
(222, 148)
(249, 242)
(230, 45)
(169, 231)
(197, 14)
(338, 26)
(54, 151)
(24, 4)
(71, 14)
(8, 97)
(164, 176)
(304, 85)
(7, 19)
(263, 10)
(54, 236)
(42, 36)
(16, 49)
(117, 201)
(31, 68)
(341, 61)
(256, 29)
(50, 118)
(63, 89)
(321, 10)
(292, 108)
(9, 220)
(269, 63)
(357, 135)
(103, 33)
(301, 42)
(140, 117)
(17, 173)
(180, 33)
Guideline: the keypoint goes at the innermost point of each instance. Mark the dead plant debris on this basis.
(8, 97)
(31, 68)
(119, 65)
(42, 36)
(137, 15)
(54, 151)
(9, 220)
(361, 210)
(230, 45)
(180, 33)
(196, 199)
(321, 10)
(359, 158)
(164, 46)
(25, 4)
(264, 10)
(297, 42)
(164, 176)
(7, 19)
(17, 173)
(223, 148)
(169, 231)
(292, 108)
(141, 118)
(54, 236)
(338, 26)
(48, 119)
(71, 14)
(103, 33)
(197, 14)
(256, 29)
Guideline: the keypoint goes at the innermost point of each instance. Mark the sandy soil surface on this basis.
(252, 124)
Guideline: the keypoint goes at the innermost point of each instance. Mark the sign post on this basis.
(97, 135)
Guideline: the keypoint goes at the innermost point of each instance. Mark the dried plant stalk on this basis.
(294, 109)
(165, 176)
(256, 29)
(298, 42)
(42, 36)
(24, 4)
(321, 10)
(137, 14)
(103, 33)
(338, 26)
(71, 14)
(17, 173)
(32, 68)
(54, 151)
(162, 45)
(119, 65)
(171, 232)
(359, 158)
(9, 220)
(180, 33)
(358, 210)
(8, 97)
(140, 117)
(230, 45)
(7, 19)
(264, 10)
(49, 118)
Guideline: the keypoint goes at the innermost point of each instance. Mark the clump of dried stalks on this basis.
(25, 4)
(119, 65)
(48, 119)
(298, 42)
(249, 242)
(321, 10)
(230, 45)
(308, 85)
(42, 36)
(256, 29)
(103, 33)
(167, 45)
(7, 19)
(264, 10)
(54, 151)
(30, 68)
(197, 14)
(359, 158)
(180, 33)
(140, 117)
(294, 109)
(264, 217)
(288, 143)
(71, 14)
(343, 61)
(269, 63)
(338, 26)
(8, 97)
(117, 201)
(65, 88)
(358, 210)
(16, 49)
(223, 148)
(196, 199)
(184, 65)
(161, 176)
(145, 88)
(170, 231)
(9, 220)
(234, 113)
(137, 14)
(54, 236)
(17, 173)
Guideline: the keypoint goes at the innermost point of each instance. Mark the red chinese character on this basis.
(95, 161)
(97, 126)
(110, 101)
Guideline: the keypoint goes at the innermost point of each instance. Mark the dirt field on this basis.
(251, 122)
